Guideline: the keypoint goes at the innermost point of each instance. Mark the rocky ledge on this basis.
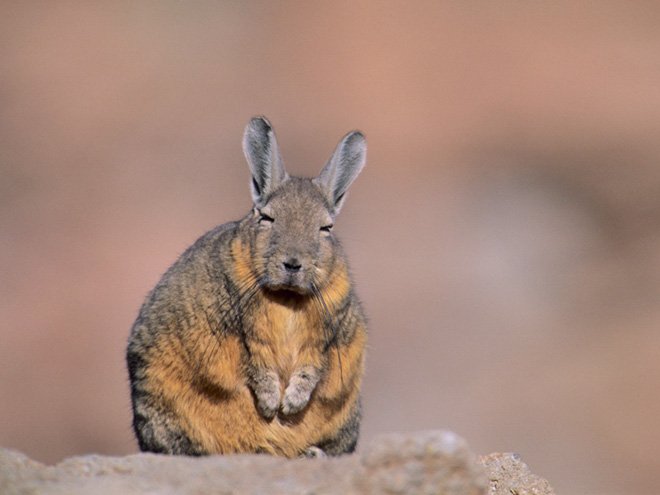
(434, 462)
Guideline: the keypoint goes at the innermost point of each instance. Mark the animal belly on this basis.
(227, 424)
(220, 412)
(233, 425)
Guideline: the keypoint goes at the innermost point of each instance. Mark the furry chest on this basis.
(286, 334)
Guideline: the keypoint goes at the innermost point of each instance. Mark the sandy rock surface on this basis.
(508, 475)
(434, 462)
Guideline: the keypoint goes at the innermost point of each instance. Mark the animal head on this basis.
(293, 246)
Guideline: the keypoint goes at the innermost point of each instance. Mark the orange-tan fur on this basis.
(291, 338)
(254, 340)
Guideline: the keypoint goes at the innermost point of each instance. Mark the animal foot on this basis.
(266, 386)
(300, 388)
(314, 453)
(268, 404)
(295, 400)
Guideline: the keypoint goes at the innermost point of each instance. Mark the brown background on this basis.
(505, 235)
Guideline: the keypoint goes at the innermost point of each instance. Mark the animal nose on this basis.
(292, 265)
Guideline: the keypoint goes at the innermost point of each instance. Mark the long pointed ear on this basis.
(339, 173)
(263, 157)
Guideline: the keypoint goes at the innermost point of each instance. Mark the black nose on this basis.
(292, 265)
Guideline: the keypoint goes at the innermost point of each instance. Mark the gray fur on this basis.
(314, 453)
(263, 157)
(266, 387)
(339, 173)
(290, 241)
(300, 388)
(345, 440)
(160, 432)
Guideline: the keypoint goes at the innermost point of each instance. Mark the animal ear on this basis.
(263, 157)
(339, 173)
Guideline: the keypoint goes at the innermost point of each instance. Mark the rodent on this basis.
(253, 341)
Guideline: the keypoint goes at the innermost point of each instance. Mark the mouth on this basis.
(287, 294)
(289, 283)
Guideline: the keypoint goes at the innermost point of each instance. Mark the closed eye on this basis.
(326, 228)
(263, 218)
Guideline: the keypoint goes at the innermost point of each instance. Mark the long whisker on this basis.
(227, 314)
(241, 306)
(328, 327)
(331, 323)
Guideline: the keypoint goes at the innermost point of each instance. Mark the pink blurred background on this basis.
(505, 235)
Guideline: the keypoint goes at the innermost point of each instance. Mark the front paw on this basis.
(295, 400)
(299, 390)
(268, 403)
(266, 386)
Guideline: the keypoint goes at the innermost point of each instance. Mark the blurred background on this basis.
(505, 235)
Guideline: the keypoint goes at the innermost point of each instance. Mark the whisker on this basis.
(227, 314)
(334, 332)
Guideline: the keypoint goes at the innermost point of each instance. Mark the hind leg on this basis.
(345, 441)
(158, 430)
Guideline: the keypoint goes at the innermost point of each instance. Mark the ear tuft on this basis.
(346, 163)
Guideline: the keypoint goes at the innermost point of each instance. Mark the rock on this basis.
(424, 462)
(508, 475)
(437, 462)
